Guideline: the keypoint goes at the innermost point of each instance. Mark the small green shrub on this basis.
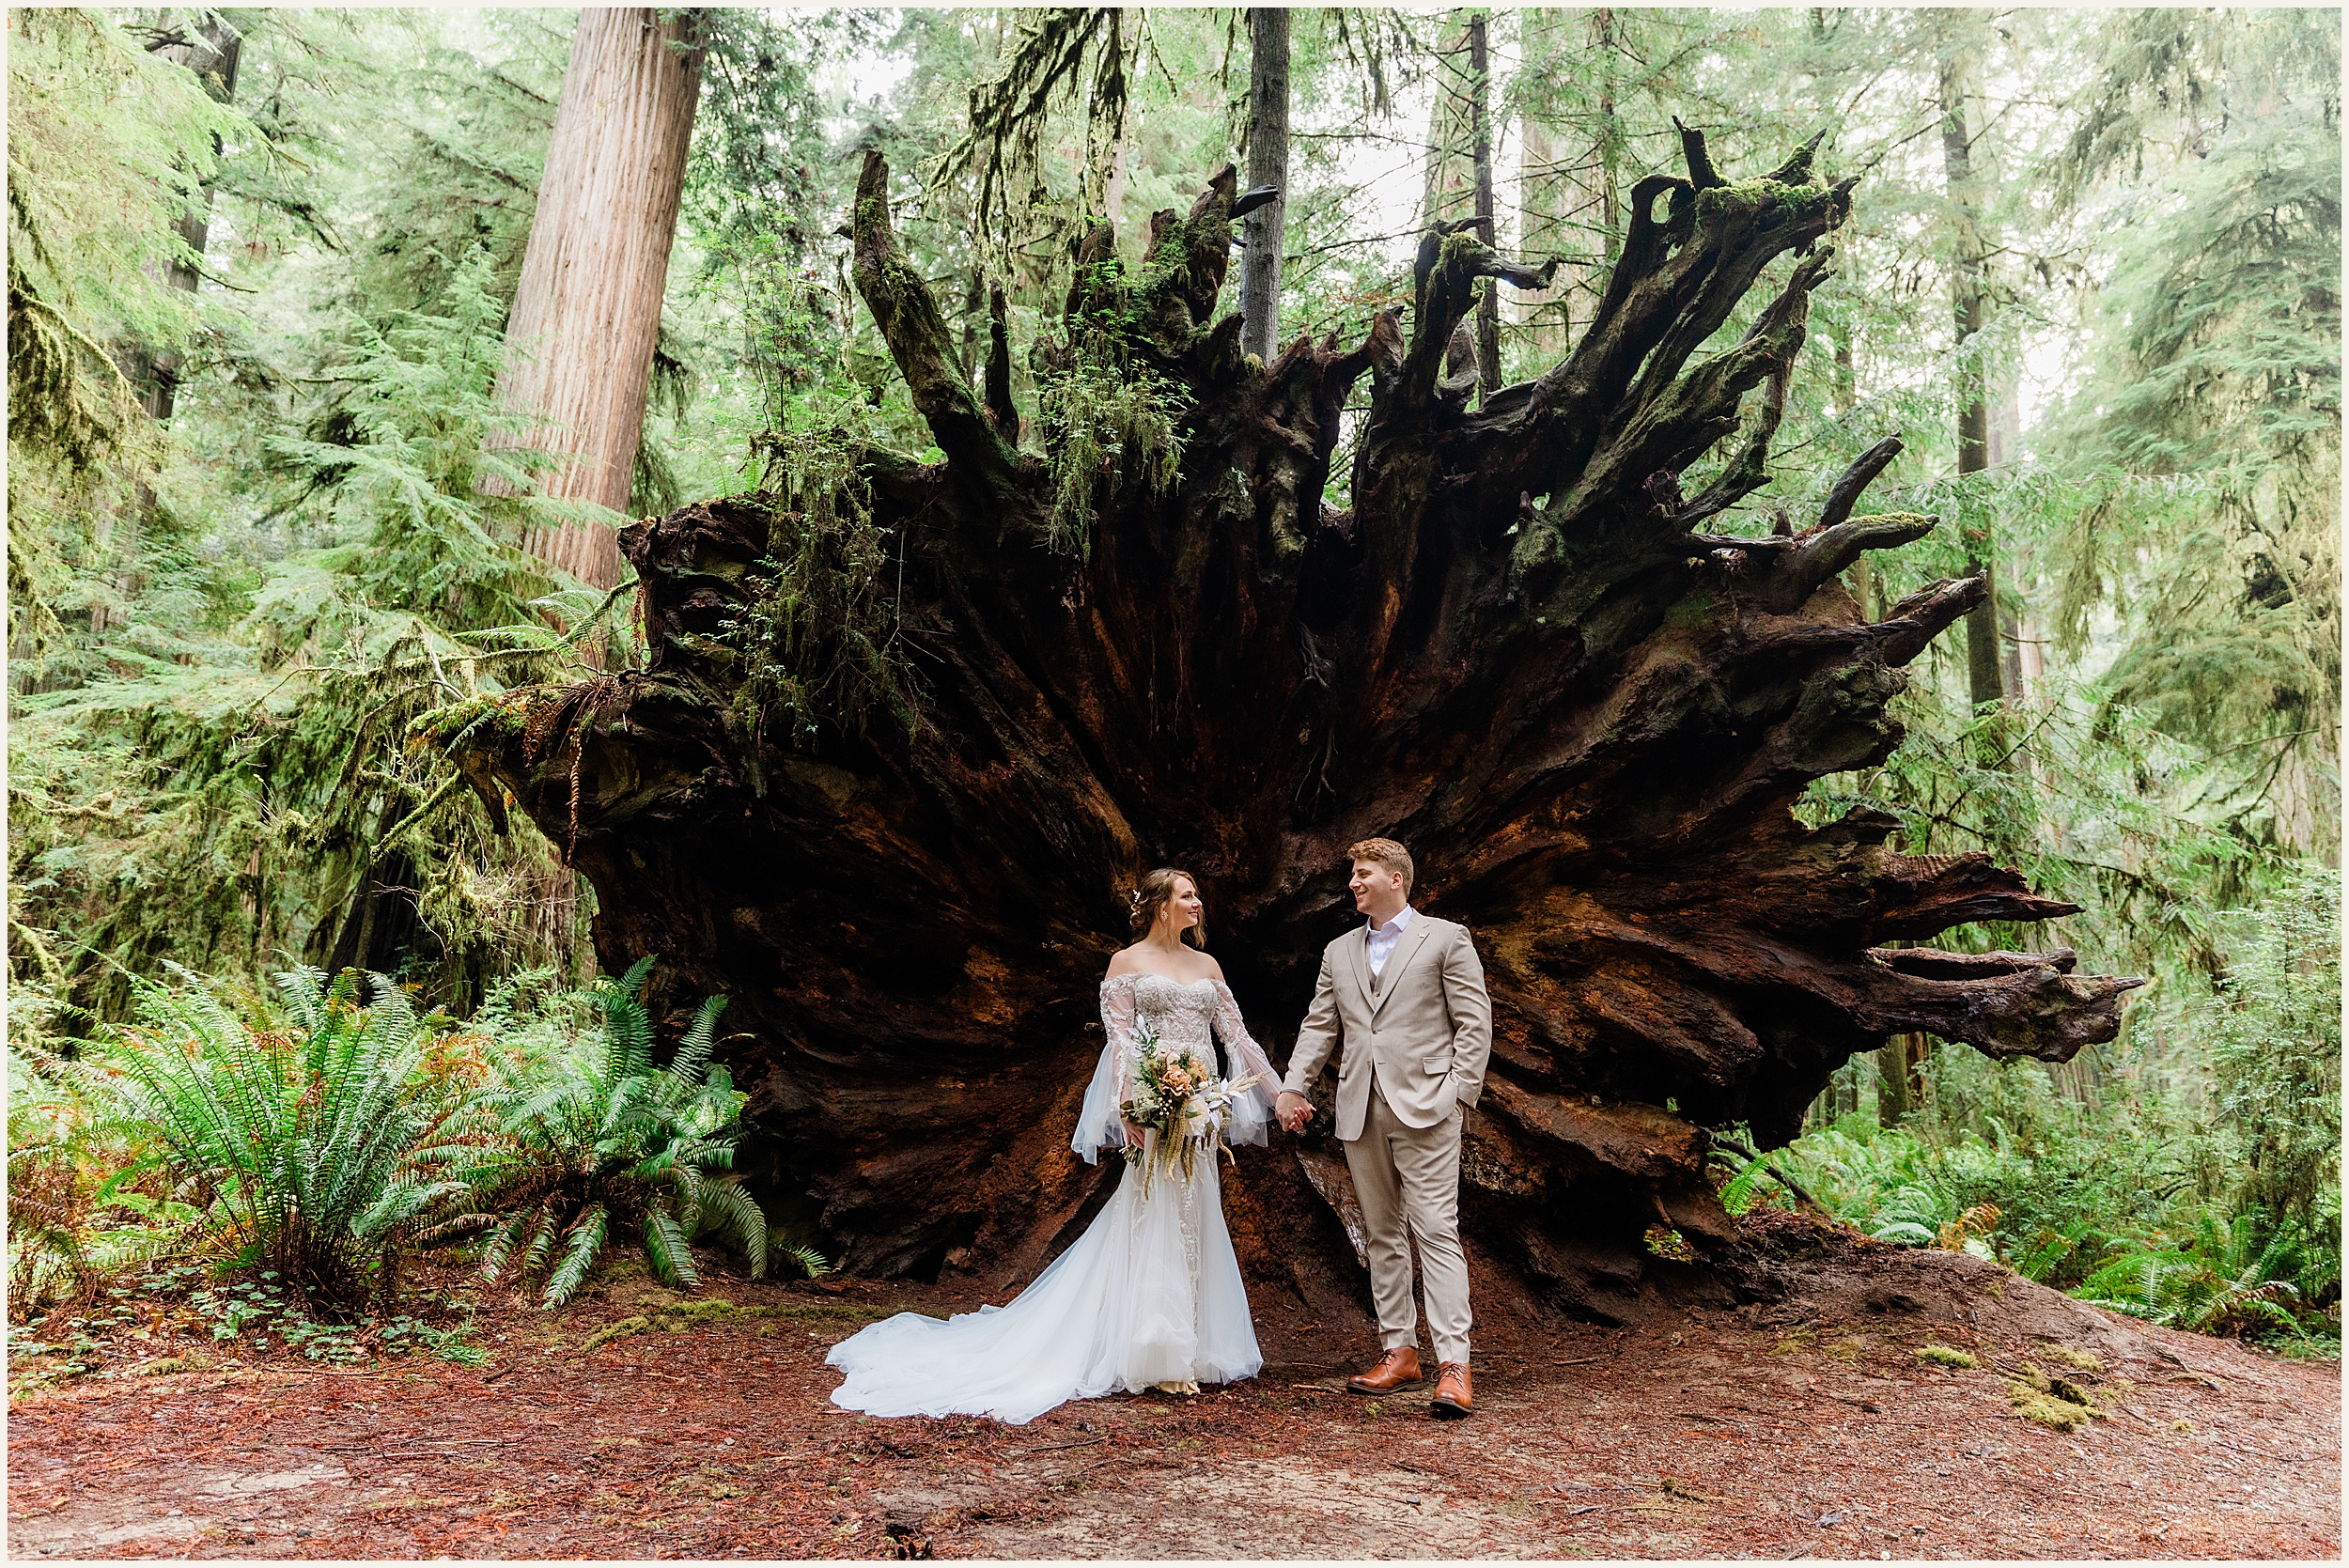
(317, 1143)
(602, 1140)
(2216, 1285)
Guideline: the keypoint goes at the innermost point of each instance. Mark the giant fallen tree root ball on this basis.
(909, 731)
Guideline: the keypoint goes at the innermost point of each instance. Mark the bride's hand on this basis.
(1133, 1134)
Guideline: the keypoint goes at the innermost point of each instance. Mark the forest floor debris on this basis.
(1805, 1427)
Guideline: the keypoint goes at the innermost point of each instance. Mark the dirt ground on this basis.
(1805, 1427)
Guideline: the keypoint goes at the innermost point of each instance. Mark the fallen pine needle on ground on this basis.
(1839, 1422)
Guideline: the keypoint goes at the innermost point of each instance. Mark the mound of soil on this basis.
(1805, 1423)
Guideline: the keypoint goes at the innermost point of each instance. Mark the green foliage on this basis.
(315, 1141)
(73, 1222)
(2224, 1283)
(280, 1161)
(214, 791)
(1004, 151)
(1108, 427)
(601, 1138)
(758, 183)
(2085, 1195)
(2275, 1049)
(106, 147)
(817, 643)
(399, 461)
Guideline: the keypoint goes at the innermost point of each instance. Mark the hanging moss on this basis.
(816, 642)
(1110, 429)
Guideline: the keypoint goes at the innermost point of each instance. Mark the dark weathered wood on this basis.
(1512, 652)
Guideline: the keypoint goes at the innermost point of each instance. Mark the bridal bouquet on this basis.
(1177, 1095)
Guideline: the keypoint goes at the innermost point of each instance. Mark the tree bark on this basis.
(1267, 166)
(1610, 137)
(1545, 316)
(212, 49)
(587, 310)
(1518, 650)
(1481, 145)
(1969, 299)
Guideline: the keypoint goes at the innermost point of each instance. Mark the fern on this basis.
(665, 1245)
(579, 1256)
(810, 1262)
(2218, 1284)
(311, 1129)
(597, 1138)
(726, 1210)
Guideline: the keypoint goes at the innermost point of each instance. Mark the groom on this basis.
(1407, 996)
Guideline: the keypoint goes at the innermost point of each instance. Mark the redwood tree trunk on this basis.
(1480, 150)
(587, 310)
(1968, 306)
(1521, 651)
(1267, 166)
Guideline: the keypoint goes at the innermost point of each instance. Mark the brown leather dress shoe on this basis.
(1453, 1400)
(1395, 1369)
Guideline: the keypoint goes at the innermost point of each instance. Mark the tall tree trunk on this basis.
(1610, 133)
(212, 49)
(1267, 165)
(1481, 141)
(1968, 294)
(2004, 444)
(1545, 316)
(1450, 187)
(1520, 650)
(587, 314)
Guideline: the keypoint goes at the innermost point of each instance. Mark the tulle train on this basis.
(1150, 1294)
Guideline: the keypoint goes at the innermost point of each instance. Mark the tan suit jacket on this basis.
(1427, 1027)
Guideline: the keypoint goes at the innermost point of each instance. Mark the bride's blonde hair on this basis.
(1152, 894)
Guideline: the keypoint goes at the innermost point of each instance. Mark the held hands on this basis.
(1294, 1110)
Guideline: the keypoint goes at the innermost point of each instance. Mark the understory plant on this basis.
(601, 1142)
(1106, 424)
(2221, 1282)
(54, 1241)
(319, 1140)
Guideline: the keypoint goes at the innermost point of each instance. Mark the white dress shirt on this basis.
(1383, 938)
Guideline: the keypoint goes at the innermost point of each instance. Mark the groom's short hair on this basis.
(1386, 853)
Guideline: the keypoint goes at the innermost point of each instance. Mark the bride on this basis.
(1150, 1296)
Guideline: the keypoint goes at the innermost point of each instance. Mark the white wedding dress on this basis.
(1150, 1294)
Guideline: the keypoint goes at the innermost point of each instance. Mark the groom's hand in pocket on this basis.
(1295, 1110)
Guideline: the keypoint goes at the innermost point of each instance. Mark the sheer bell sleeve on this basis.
(1100, 1125)
(1252, 1108)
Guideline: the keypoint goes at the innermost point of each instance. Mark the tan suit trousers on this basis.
(1407, 1179)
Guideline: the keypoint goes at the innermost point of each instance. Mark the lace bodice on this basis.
(1200, 1013)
